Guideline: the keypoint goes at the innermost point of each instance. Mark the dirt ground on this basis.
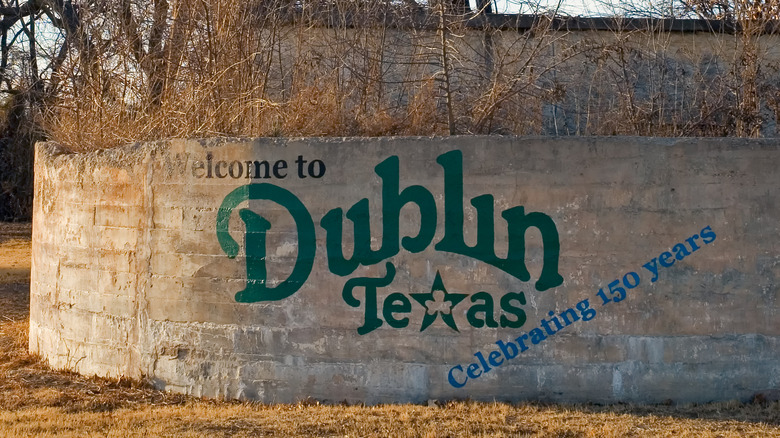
(38, 401)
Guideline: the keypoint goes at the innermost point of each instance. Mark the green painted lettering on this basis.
(255, 242)
(485, 308)
(518, 223)
(393, 201)
(396, 303)
(359, 214)
(511, 309)
(484, 250)
(371, 320)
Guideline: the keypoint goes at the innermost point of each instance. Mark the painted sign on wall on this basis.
(481, 310)
(377, 270)
(437, 302)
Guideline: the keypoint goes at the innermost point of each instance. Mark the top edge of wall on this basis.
(523, 22)
(134, 152)
(423, 18)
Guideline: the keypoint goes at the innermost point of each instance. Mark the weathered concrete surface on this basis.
(129, 277)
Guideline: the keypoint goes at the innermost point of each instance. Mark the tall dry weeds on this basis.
(190, 68)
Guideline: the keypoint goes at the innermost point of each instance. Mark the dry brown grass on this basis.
(207, 419)
(38, 401)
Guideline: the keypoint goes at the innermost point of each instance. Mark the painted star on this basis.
(440, 303)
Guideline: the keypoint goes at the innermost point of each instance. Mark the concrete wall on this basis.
(154, 261)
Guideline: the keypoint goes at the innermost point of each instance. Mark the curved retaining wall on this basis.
(406, 269)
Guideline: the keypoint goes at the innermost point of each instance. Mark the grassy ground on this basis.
(38, 401)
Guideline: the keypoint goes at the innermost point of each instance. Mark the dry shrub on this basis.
(275, 68)
(226, 68)
(318, 111)
(17, 137)
(423, 112)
